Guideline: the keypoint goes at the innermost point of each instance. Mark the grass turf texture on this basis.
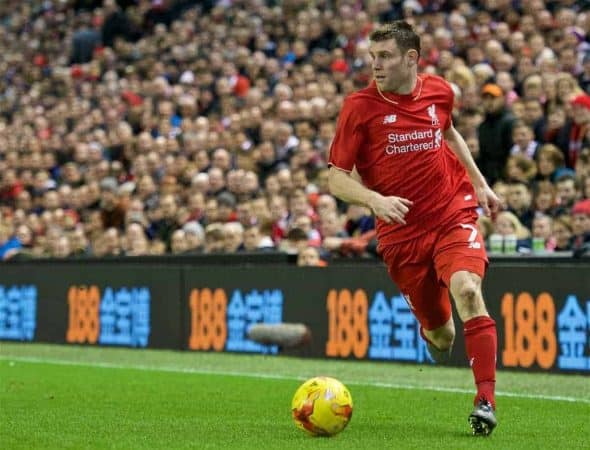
(81, 397)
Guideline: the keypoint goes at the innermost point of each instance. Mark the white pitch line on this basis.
(172, 369)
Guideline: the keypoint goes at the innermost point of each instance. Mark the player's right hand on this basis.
(391, 209)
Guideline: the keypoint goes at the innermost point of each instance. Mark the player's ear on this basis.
(412, 57)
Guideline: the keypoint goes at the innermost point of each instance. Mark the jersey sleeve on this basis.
(350, 135)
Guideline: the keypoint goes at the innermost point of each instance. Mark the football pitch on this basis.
(92, 398)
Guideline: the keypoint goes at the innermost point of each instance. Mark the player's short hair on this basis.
(402, 32)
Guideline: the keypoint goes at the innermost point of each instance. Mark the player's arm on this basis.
(486, 197)
(356, 175)
(346, 187)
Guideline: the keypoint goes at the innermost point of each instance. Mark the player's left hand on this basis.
(487, 199)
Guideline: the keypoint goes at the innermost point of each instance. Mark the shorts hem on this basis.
(472, 264)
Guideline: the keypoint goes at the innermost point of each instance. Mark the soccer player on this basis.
(397, 152)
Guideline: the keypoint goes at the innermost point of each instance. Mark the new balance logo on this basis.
(472, 236)
(389, 119)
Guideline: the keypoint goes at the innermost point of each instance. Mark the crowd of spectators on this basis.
(150, 127)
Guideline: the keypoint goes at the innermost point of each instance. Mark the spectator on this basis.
(112, 212)
(550, 162)
(261, 210)
(272, 186)
(110, 243)
(562, 230)
(116, 23)
(567, 193)
(532, 87)
(495, 133)
(543, 229)
(266, 160)
(304, 223)
(585, 187)
(507, 224)
(359, 220)
(326, 204)
(299, 206)
(534, 117)
(61, 248)
(581, 226)
(556, 128)
(255, 241)
(583, 165)
(524, 140)
(545, 198)
(584, 76)
(566, 88)
(85, 41)
(233, 237)
(211, 211)
(285, 181)
(310, 256)
(500, 188)
(156, 247)
(79, 243)
(279, 215)
(520, 168)
(178, 242)
(226, 204)
(331, 225)
(295, 241)
(216, 181)
(214, 238)
(221, 159)
(10, 188)
(579, 134)
(520, 202)
(195, 237)
(162, 227)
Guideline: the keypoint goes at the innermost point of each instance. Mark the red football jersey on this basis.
(399, 149)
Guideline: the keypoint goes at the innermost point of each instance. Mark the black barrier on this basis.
(542, 308)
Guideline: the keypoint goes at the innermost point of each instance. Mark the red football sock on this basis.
(481, 345)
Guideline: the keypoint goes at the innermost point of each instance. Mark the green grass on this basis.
(81, 397)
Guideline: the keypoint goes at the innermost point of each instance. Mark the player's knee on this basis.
(445, 341)
(443, 337)
(468, 292)
(470, 303)
(464, 288)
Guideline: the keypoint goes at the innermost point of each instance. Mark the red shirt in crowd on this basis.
(398, 148)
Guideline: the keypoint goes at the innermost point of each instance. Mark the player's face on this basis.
(392, 70)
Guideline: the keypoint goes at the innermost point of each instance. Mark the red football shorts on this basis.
(422, 267)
